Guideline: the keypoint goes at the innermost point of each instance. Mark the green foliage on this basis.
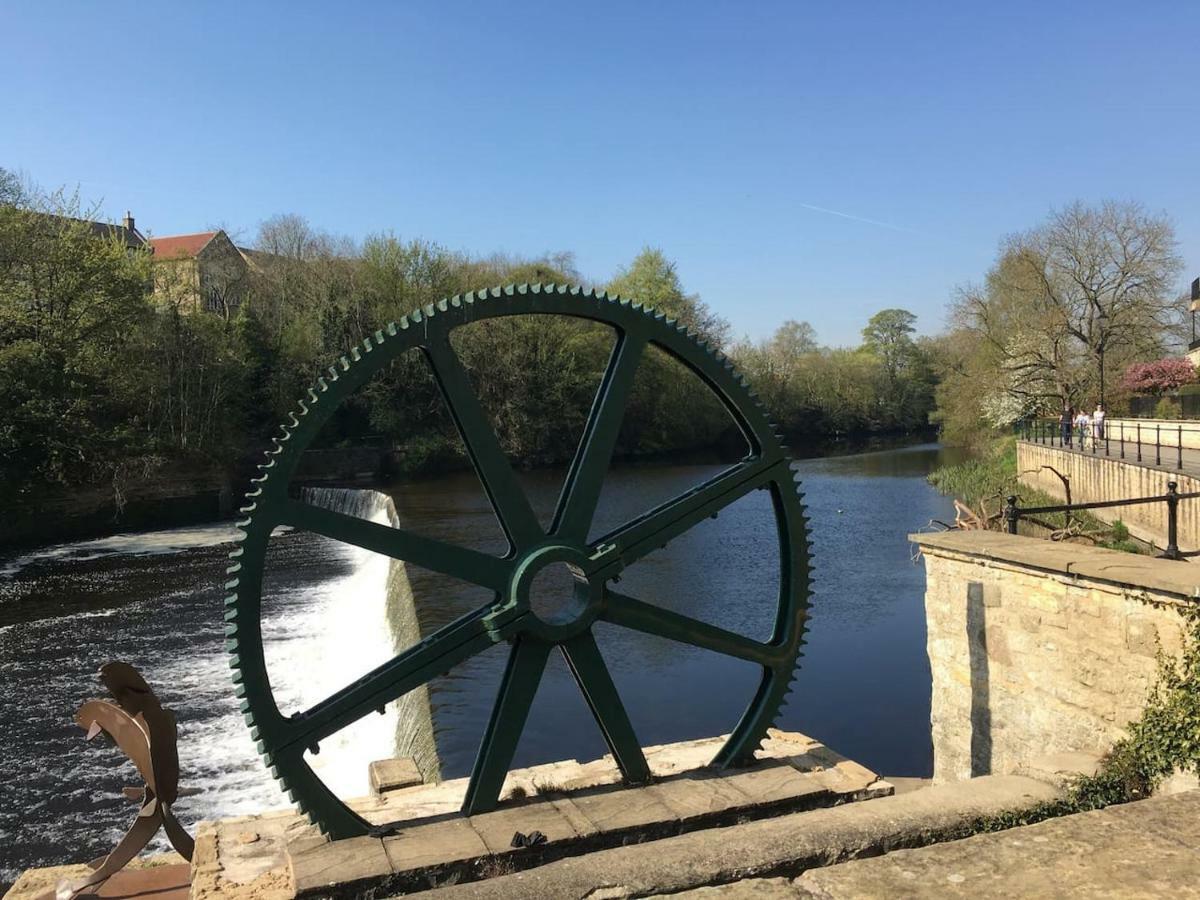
(885, 385)
(1091, 288)
(984, 481)
(988, 476)
(1167, 408)
(110, 369)
(70, 303)
(652, 279)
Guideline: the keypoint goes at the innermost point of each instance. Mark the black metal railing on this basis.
(1013, 512)
(1141, 443)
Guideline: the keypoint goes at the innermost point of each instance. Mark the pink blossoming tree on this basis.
(1158, 377)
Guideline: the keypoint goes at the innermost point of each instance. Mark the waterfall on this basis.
(371, 614)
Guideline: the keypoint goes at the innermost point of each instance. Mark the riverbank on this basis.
(184, 493)
(983, 481)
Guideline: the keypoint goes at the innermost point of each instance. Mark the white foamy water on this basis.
(155, 600)
(339, 635)
(140, 543)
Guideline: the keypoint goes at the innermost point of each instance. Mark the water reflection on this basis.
(863, 684)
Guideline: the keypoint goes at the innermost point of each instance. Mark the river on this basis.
(155, 600)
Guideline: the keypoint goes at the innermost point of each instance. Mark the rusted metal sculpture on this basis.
(509, 618)
(146, 733)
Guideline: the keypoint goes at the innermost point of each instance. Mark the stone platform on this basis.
(578, 807)
(1146, 849)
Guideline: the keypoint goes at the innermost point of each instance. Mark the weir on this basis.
(377, 605)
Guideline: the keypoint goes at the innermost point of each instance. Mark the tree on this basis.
(1159, 376)
(651, 279)
(12, 190)
(793, 339)
(888, 335)
(1089, 283)
(71, 309)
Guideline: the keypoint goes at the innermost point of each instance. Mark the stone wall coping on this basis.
(1127, 569)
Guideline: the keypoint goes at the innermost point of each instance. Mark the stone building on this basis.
(205, 271)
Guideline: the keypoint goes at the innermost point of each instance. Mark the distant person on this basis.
(1083, 424)
(1065, 421)
(1098, 423)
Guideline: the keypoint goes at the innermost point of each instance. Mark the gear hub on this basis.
(516, 614)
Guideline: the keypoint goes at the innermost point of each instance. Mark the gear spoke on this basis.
(447, 559)
(592, 675)
(284, 741)
(499, 481)
(649, 532)
(526, 663)
(581, 490)
(434, 656)
(621, 609)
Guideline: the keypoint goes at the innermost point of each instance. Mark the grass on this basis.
(984, 481)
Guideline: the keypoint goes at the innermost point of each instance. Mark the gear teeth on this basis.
(248, 689)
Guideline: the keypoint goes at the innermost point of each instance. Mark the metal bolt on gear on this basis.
(282, 740)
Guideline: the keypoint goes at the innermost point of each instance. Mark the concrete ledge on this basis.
(1144, 849)
(787, 845)
(1168, 576)
(423, 840)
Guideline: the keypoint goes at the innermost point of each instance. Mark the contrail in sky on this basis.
(834, 212)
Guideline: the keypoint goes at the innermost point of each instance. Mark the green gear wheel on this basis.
(282, 740)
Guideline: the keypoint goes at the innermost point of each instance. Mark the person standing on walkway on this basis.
(1098, 423)
(1083, 424)
(1065, 421)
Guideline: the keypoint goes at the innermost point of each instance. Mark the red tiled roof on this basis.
(180, 245)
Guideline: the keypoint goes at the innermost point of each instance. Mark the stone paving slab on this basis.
(348, 865)
(1145, 849)
(393, 774)
(578, 806)
(787, 844)
(1168, 576)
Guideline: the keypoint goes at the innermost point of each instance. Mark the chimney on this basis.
(129, 221)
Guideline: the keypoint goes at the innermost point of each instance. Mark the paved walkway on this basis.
(1146, 849)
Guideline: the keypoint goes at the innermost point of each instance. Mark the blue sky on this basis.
(797, 160)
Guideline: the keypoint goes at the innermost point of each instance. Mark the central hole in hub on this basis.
(553, 594)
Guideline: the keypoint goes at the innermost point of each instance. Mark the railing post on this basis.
(1122, 440)
(1172, 551)
(1139, 441)
(1107, 432)
(1157, 444)
(1010, 514)
(1179, 446)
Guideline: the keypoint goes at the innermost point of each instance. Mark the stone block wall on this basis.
(1097, 478)
(1037, 647)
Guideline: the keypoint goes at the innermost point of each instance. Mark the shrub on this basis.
(1167, 408)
